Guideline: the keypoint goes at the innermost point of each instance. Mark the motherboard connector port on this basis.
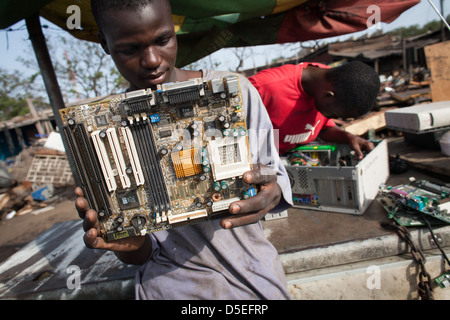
(187, 216)
(223, 204)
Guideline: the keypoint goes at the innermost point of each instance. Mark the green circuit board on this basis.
(153, 160)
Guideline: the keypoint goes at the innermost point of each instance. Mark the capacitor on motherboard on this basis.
(224, 185)
(193, 129)
(198, 202)
(102, 134)
(195, 133)
(163, 151)
(193, 126)
(221, 118)
(209, 202)
(71, 122)
(178, 147)
(216, 186)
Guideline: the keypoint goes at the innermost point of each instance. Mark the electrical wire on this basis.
(435, 239)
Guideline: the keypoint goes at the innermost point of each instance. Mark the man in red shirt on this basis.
(301, 100)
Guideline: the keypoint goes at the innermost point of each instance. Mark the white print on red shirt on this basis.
(301, 137)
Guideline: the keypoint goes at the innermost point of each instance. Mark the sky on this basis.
(15, 43)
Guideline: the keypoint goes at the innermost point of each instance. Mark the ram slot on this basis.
(118, 157)
(92, 166)
(145, 156)
(156, 188)
(81, 171)
(132, 154)
(102, 156)
(161, 184)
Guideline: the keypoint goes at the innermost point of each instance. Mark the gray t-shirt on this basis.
(204, 261)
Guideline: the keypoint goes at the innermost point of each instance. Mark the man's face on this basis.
(330, 111)
(326, 105)
(142, 44)
(329, 106)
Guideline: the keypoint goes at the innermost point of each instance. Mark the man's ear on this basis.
(329, 93)
(103, 42)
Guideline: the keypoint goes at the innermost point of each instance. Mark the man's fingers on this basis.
(93, 241)
(90, 220)
(250, 210)
(359, 153)
(78, 192)
(253, 204)
(369, 146)
(261, 175)
(82, 206)
(240, 220)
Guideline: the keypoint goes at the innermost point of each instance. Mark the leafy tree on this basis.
(415, 30)
(86, 70)
(82, 68)
(15, 88)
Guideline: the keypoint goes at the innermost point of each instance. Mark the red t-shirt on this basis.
(293, 113)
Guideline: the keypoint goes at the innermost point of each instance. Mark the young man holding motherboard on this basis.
(219, 259)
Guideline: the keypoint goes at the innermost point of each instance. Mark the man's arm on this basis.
(336, 134)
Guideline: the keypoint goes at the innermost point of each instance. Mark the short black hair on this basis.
(356, 86)
(100, 6)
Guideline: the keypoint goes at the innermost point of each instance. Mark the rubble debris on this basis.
(39, 175)
(43, 193)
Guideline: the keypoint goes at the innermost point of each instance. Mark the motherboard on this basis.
(152, 160)
(409, 204)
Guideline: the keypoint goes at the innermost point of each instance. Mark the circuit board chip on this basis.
(151, 160)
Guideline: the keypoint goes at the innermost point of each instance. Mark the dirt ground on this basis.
(21, 229)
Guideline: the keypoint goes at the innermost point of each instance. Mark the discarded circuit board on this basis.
(407, 204)
(152, 160)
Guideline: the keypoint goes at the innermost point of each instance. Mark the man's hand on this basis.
(134, 250)
(337, 135)
(359, 145)
(253, 209)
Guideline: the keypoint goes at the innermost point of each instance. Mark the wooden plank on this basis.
(374, 120)
(438, 60)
